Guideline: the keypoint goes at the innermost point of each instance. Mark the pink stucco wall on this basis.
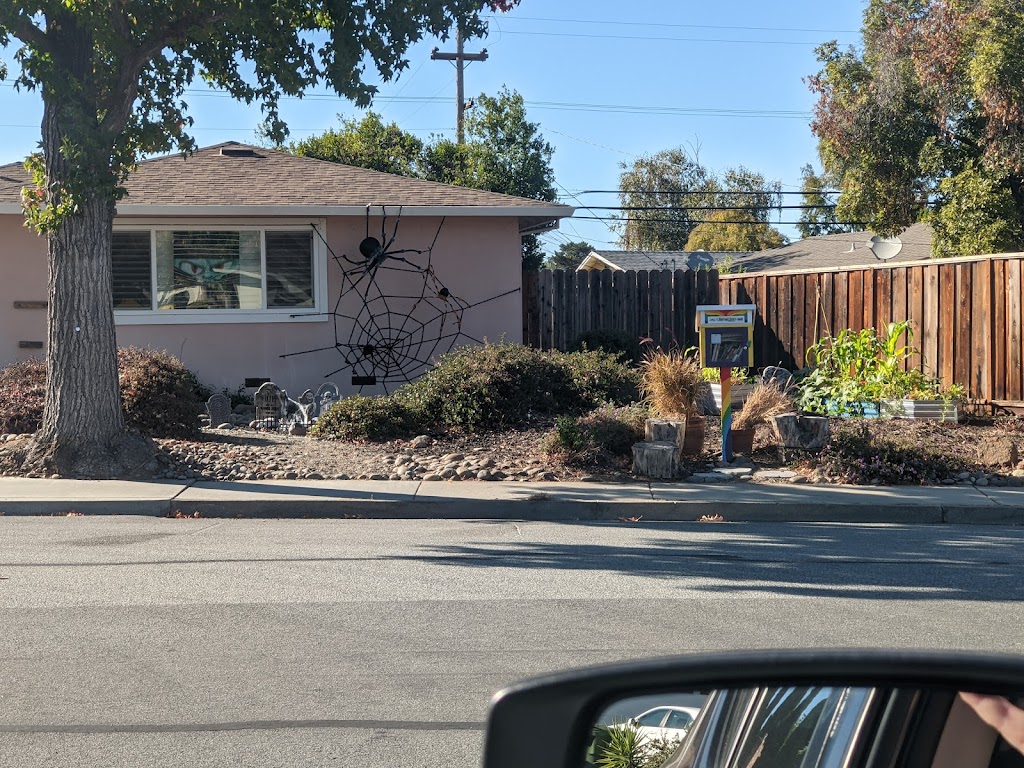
(23, 259)
(475, 258)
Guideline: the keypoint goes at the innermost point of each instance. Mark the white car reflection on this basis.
(664, 722)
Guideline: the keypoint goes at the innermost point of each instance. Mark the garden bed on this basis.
(516, 454)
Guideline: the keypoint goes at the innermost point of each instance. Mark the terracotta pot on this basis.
(693, 437)
(743, 441)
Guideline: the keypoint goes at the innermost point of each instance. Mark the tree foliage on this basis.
(504, 152)
(366, 143)
(569, 255)
(927, 121)
(737, 231)
(819, 218)
(666, 196)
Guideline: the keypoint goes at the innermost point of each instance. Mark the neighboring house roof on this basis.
(238, 179)
(847, 249)
(646, 260)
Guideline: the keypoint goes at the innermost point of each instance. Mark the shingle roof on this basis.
(233, 174)
(647, 260)
(848, 249)
(831, 251)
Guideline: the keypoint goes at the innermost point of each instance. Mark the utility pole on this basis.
(460, 57)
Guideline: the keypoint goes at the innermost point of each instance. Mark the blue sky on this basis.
(607, 81)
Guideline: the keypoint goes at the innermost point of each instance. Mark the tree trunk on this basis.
(82, 432)
(657, 460)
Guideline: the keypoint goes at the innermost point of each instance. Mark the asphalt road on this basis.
(156, 642)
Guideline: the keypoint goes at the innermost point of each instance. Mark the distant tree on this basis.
(732, 230)
(504, 152)
(748, 191)
(653, 192)
(926, 120)
(820, 219)
(569, 255)
(665, 196)
(366, 143)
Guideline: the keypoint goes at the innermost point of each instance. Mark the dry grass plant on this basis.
(671, 383)
(763, 402)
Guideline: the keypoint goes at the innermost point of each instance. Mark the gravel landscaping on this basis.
(988, 447)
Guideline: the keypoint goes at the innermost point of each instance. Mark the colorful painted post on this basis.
(726, 414)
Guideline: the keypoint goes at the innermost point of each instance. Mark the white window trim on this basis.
(317, 314)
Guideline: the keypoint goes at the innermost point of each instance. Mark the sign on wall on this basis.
(726, 335)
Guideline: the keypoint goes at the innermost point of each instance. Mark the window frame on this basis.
(316, 313)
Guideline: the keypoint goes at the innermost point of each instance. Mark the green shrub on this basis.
(497, 386)
(622, 344)
(857, 457)
(604, 434)
(367, 418)
(22, 391)
(158, 393)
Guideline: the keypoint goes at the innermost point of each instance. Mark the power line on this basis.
(713, 221)
(648, 38)
(660, 24)
(707, 207)
(694, 192)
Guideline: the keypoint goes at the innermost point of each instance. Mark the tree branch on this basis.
(21, 27)
(120, 100)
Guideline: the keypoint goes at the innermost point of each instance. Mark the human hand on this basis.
(996, 711)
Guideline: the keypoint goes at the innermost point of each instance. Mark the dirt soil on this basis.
(512, 455)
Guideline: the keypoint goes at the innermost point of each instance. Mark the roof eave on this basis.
(540, 213)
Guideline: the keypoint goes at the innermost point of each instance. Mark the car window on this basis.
(678, 719)
(802, 727)
(652, 719)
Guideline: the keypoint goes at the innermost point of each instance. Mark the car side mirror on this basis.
(770, 706)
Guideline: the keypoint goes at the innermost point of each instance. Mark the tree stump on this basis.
(658, 460)
(665, 431)
(805, 433)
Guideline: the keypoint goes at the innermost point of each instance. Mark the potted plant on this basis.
(742, 382)
(764, 401)
(671, 384)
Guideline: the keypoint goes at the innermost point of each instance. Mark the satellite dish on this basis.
(699, 260)
(885, 248)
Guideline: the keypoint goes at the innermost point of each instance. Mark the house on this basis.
(253, 264)
(623, 261)
(846, 249)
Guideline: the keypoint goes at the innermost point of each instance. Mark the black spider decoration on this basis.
(392, 337)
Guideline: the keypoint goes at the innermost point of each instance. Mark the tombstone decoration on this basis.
(268, 405)
(778, 376)
(326, 395)
(219, 409)
(291, 411)
(307, 404)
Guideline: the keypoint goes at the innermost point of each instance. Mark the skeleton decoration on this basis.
(393, 316)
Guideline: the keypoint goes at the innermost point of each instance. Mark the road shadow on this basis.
(885, 562)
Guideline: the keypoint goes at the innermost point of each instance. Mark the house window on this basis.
(180, 273)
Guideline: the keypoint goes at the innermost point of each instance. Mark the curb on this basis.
(547, 510)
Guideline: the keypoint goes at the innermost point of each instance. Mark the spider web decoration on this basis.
(390, 338)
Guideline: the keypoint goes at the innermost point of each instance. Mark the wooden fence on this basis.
(559, 305)
(967, 313)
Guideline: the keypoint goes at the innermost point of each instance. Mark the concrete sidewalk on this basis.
(520, 501)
